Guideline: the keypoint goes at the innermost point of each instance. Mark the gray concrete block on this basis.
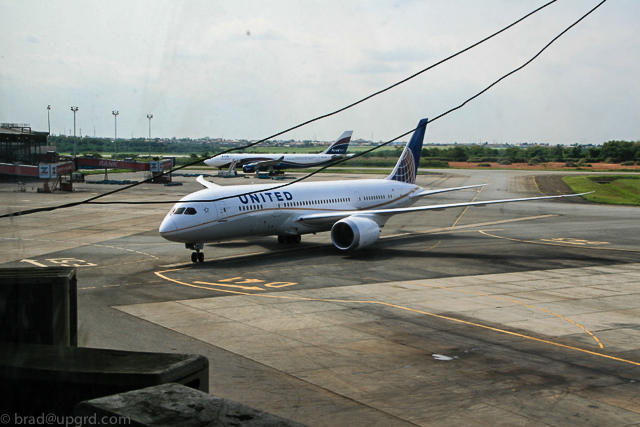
(173, 405)
(43, 378)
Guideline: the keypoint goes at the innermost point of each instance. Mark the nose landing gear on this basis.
(196, 256)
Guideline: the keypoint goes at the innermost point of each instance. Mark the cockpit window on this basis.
(178, 211)
(190, 211)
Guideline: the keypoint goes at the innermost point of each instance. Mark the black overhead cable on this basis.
(91, 200)
(397, 137)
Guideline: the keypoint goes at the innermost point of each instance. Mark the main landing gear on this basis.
(196, 256)
(289, 238)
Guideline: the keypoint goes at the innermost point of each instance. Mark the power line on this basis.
(399, 136)
(92, 199)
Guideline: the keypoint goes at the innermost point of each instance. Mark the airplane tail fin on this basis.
(340, 145)
(407, 167)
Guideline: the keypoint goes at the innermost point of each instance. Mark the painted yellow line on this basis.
(432, 247)
(467, 208)
(248, 288)
(557, 244)
(462, 228)
(526, 305)
(537, 186)
(293, 298)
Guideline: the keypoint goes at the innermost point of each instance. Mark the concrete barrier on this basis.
(36, 379)
(172, 405)
(39, 305)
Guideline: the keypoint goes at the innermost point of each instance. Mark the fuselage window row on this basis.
(192, 211)
(286, 205)
(315, 202)
(250, 207)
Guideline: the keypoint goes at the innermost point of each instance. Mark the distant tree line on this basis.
(609, 152)
(106, 146)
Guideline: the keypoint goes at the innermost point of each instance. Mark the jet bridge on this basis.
(156, 167)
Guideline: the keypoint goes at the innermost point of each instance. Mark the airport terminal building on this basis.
(19, 144)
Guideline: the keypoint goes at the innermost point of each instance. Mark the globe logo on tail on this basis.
(406, 168)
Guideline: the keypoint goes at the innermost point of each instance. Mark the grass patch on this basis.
(610, 189)
(429, 163)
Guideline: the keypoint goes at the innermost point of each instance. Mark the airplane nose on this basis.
(167, 226)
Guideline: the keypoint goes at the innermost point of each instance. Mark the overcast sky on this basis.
(248, 69)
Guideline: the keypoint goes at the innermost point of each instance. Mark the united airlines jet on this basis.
(255, 162)
(353, 211)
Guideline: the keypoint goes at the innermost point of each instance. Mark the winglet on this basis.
(407, 167)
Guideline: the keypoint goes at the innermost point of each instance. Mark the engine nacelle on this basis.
(354, 233)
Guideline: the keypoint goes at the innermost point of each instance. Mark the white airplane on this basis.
(255, 162)
(354, 211)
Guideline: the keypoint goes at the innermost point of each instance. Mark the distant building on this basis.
(19, 144)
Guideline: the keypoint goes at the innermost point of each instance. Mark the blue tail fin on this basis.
(407, 167)
(340, 145)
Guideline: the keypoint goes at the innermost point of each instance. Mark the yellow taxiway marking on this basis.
(439, 316)
(432, 247)
(249, 288)
(566, 242)
(238, 284)
(474, 199)
(526, 305)
(34, 262)
(572, 241)
(538, 187)
(462, 227)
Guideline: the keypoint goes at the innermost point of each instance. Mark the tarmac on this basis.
(521, 315)
(444, 351)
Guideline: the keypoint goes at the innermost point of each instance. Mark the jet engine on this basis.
(249, 168)
(354, 233)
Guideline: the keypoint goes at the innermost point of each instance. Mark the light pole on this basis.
(115, 140)
(74, 109)
(48, 122)
(149, 116)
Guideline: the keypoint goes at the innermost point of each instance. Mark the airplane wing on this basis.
(425, 192)
(324, 218)
(206, 183)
